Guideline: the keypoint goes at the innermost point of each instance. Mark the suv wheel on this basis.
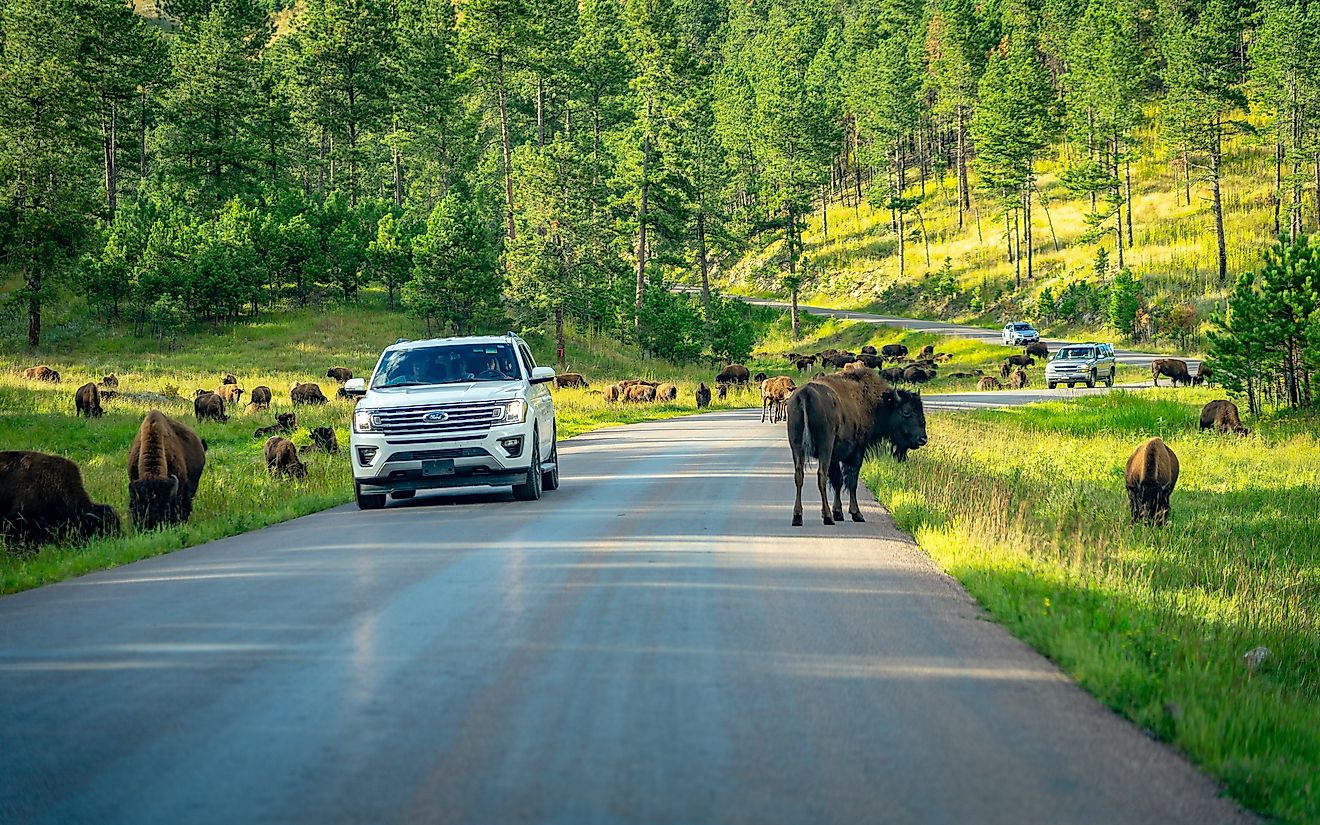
(1090, 379)
(530, 490)
(368, 501)
(550, 478)
(1054, 384)
(1109, 382)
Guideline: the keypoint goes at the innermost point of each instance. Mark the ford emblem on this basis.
(436, 417)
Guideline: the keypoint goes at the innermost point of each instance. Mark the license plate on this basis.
(438, 467)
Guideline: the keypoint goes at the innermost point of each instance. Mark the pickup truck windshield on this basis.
(1076, 353)
(452, 364)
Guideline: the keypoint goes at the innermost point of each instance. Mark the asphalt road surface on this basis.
(653, 643)
(987, 336)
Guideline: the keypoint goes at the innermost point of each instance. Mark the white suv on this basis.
(453, 412)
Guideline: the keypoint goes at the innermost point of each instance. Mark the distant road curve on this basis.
(988, 336)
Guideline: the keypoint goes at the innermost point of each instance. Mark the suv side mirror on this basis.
(541, 375)
(355, 387)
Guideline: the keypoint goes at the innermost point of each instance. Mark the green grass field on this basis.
(236, 493)
(1027, 507)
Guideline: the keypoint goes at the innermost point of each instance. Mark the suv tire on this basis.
(368, 501)
(1054, 384)
(530, 490)
(550, 478)
(1109, 382)
(1090, 380)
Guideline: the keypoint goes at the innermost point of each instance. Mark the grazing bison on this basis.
(1174, 368)
(1203, 374)
(229, 379)
(261, 396)
(989, 382)
(733, 374)
(42, 499)
(612, 393)
(869, 350)
(875, 362)
(666, 392)
(111, 381)
(209, 405)
(1152, 473)
(839, 360)
(1222, 415)
(324, 440)
(87, 401)
(806, 362)
(41, 373)
(917, 375)
(703, 396)
(165, 466)
(1018, 380)
(282, 458)
(759, 377)
(284, 423)
(774, 397)
(1038, 349)
(892, 374)
(571, 381)
(927, 351)
(340, 374)
(838, 420)
(721, 391)
(1020, 361)
(893, 350)
(639, 393)
(307, 393)
(231, 393)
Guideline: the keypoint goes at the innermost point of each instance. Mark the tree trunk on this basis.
(1050, 219)
(1216, 161)
(506, 154)
(1017, 259)
(559, 335)
(142, 138)
(1295, 203)
(1026, 230)
(1118, 208)
(398, 169)
(902, 257)
(825, 214)
(642, 204)
(703, 265)
(1278, 186)
(790, 230)
(964, 197)
(1127, 198)
(110, 142)
(1187, 174)
(34, 309)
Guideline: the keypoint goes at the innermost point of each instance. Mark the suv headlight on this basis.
(514, 412)
(365, 421)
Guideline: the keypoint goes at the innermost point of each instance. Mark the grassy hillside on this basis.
(236, 493)
(1027, 507)
(1174, 253)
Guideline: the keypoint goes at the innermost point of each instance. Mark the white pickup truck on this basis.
(453, 412)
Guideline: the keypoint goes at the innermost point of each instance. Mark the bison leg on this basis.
(823, 483)
(850, 475)
(1134, 502)
(837, 482)
(798, 474)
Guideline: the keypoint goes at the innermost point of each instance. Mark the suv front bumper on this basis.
(498, 458)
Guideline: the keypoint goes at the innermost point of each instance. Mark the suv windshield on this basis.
(1021, 326)
(1071, 353)
(450, 364)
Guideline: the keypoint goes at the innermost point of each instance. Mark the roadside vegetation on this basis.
(1027, 508)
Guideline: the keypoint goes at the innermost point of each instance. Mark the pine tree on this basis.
(456, 282)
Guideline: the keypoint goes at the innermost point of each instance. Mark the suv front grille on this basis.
(426, 455)
(471, 420)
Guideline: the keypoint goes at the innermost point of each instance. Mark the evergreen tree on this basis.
(456, 282)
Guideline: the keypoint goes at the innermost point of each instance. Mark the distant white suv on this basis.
(453, 412)
(1018, 333)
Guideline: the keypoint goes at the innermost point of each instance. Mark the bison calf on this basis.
(1152, 473)
(340, 374)
(87, 401)
(1221, 415)
(703, 396)
(44, 500)
(284, 423)
(571, 381)
(282, 458)
(324, 440)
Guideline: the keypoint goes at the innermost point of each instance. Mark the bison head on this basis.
(900, 420)
(98, 520)
(287, 420)
(153, 501)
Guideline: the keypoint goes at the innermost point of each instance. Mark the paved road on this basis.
(652, 643)
(975, 400)
(988, 336)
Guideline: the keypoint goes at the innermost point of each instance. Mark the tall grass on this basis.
(1027, 507)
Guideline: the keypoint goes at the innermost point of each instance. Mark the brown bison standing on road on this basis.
(284, 423)
(87, 401)
(41, 373)
(165, 466)
(1222, 415)
(42, 499)
(1174, 368)
(208, 405)
(340, 374)
(307, 393)
(282, 458)
(1037, 349)
(774, 397)
(838, 419)
(1152, 473)
(734, 374)
(703, 396)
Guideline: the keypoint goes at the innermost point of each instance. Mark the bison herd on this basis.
(42, 496)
